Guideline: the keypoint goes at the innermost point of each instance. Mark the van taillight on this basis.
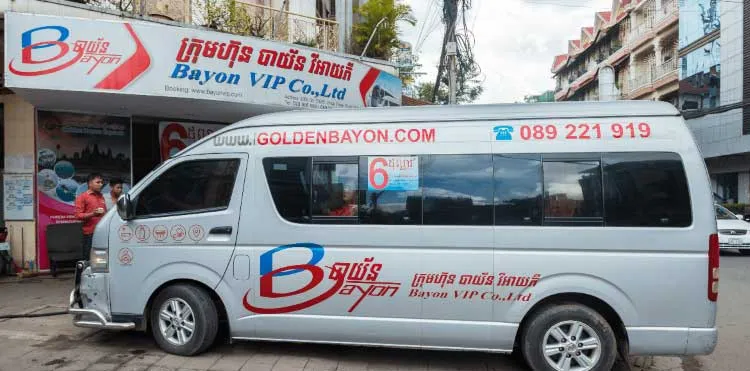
(713, 267)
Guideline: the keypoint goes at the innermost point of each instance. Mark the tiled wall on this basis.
(19, 117)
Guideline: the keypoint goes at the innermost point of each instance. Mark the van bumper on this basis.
(670, 341)
(89, 302)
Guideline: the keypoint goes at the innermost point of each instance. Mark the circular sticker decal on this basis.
(196, 232)
(125, 233)
(142, 233)
(125, 256)
(160, 233)
(177, 232)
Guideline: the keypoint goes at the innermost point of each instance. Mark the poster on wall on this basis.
(175, 136)
(18, 192)
(71, 146)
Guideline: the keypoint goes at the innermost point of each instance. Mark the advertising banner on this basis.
(175, 136)
(45, 52)
(70, 147)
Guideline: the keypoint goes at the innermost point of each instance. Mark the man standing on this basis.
(90, 206)
(115, 191)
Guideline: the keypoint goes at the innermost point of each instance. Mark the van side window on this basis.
(572, 192)
(334, 188)
(387, 206)
(645, 190)
(518, 189)
(189, 187)
(289, 181)
(457, 189)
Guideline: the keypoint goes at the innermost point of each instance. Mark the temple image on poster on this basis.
(71, 146)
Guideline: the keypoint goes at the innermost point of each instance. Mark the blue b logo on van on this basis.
(503, 132)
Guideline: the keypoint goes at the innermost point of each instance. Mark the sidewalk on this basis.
(53, 343)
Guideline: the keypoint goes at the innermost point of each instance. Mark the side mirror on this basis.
(740, 217)
(125, 207)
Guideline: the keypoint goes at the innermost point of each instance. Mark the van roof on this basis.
(473, 112)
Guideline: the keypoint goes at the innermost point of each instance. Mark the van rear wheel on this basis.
(184, 320)
(569, 337)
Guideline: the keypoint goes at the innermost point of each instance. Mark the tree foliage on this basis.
(232, 17)
(386, 38)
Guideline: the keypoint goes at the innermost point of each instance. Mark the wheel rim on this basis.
(571, 346)
(176, 321)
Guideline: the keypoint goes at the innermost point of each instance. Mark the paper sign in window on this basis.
(393, 173)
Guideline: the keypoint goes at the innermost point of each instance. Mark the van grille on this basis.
(730, 246)
(733, 232)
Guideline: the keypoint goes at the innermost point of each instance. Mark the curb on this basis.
(643, 362)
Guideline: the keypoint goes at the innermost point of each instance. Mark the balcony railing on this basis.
(642, 79)
(642, 27)
(668, 8)
(665, 69)
(275, 24)
(236, 17)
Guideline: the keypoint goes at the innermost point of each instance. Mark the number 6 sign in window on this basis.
(393, 173)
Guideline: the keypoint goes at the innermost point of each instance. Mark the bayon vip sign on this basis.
(61, 53)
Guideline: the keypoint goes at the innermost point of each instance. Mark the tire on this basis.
(539, 332)
(202, 314)
(745, 252)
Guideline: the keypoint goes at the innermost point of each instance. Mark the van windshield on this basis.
(723, 213)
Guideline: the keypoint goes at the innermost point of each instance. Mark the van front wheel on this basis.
(184, 320)
(569, 337)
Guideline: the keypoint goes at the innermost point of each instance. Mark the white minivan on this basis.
(570, 232)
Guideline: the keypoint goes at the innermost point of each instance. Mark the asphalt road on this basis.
(52, 343)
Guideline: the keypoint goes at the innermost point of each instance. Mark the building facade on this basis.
(87, 88)
(715, 88)
(637, 39)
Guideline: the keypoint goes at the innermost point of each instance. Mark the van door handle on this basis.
(220, 230)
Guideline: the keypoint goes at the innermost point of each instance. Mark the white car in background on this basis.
(733, 231)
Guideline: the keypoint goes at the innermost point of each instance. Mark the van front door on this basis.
(185, 227)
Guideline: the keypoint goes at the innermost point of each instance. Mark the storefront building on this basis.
(85, 90)
(715, 91)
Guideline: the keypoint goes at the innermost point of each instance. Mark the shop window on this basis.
(189, 187)
(700, 78)
(728, 186)
(698, 18)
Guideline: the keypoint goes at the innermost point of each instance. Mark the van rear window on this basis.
(634, 189)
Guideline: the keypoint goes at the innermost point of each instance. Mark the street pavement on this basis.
(53, 343)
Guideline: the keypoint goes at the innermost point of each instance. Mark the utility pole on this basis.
(450, 12)
(451, 53)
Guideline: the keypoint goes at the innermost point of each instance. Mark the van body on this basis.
(572, 232)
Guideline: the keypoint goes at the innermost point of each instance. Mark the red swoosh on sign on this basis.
(131, 69)
(367, 83)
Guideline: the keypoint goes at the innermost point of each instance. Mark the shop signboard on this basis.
(71, 146)
(138, 58)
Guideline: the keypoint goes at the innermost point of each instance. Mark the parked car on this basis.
(733, 231)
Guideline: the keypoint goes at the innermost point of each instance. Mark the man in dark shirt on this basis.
(90, 206)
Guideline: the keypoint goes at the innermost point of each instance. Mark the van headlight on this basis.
(99, 260)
